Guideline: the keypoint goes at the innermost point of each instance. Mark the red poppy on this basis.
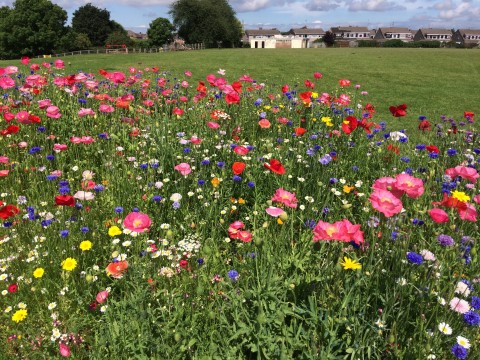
(344, 82)
(237, 86)
(367, 125)
(398, 111)
(450, 202)
(309, 84)
(393, 148)
(238, 167)
(306, 97)
(64, 200)
(240, 150)
(232, 98)
(468, 114)
(424, 125)
(433, 149)
(349, 124)
(285, 88)
(117, 269)
(275, 166)
(299, 131)
(12, 288)
(8, 211)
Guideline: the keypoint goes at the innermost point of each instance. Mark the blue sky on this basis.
(136, 15)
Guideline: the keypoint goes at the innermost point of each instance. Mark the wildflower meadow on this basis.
(147, 215)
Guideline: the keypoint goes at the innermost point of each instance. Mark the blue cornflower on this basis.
(135, 209)
(103, 136)
(459, 351)
(201, 182)
(220, 164)
(251, 184)
(63, 183)
(233, 275)
(405, 159)
(186, 150)
(98, 188)
(118, 209)
(326, 210)
(451, 152)
(414, 258)
(154, 165)
(471, 318)
(237, 178)
(84, 229)
(355, 168)
(310, 224)
(333, 180)
(64, 233)
(200, 261)
(50, 157)
(143, 166)
(386, 136)
(64, 190)
(421, 147)
(157, 198)
(41, 129)
(34, 150)
(176, 205)
(403, 139)
(7, 224)
(433, 155)
(394, 235)
(475, 302)
(205, 162)
(258, 102)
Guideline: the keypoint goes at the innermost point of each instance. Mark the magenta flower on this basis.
(385, 202)
(412, 186)
(285, 197)
(183, 168)
(53, 112)
(137, 222)
(86, 111)
(64, 350)
(104, 108)
(101, 296)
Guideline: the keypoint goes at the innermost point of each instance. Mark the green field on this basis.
(431, 82)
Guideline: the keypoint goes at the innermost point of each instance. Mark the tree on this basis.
(329, 38)
(119, 38)
(94, 22)
(160, 32)
(31, 27)
(212, 22)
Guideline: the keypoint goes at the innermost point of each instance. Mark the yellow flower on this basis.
(460, 196)
(215, 182)
(267, 107)
(38, 273)
(241, 201)
(349, 264)
(69, 264)
(347, 189)
(114, 231)
(19, 315)
(314, 95)
(85, 245)
(327, 120)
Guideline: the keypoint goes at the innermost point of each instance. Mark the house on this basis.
(263, 38)
(389, 33)
(351, 32)
(136, 36)
(466, 37)
(307, 35)
(442, 35)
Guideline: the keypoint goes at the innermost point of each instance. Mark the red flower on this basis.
(232, 98)
(398, 111)
(393, 148)
(240, 150)
(8, 211)
(237, 86)
(424, 125)
(64, 200)
(433, 149)
(12, 288)
(468, 114)
(300, 131)
(344, 82)
(238, 167)
(349, 124)
(309, 84)
(306, 97)
(275, 166)
(285, 88)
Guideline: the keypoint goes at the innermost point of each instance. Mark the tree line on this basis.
(39, 27)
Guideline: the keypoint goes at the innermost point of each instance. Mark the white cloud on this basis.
(374, 5)
(322, 5)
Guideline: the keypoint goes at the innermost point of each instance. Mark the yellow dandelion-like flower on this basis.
(69, 264)
(19, 315)
(460, 196)
(215, 182)
(38, 273)
(85, 245)
(114, 231)
(327, 120)
(349, 264)
(241, 201)
(347, 189)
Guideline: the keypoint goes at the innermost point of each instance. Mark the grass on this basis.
(168, 222)
(431, 82)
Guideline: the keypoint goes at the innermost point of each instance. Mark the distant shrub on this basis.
(425, 44)
(397, 43)
(367, 43)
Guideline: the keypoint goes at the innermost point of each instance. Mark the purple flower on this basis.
(445, 240)
(471, 318)
(233, 275)
(475, 302)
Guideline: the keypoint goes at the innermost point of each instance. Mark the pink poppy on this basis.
(59, 64)
(34, 67)
(102, 296)
(59, 147)
(4, 173)
(64, 350)
(213, 125)
(25, 60)
(177, 111)
(23, 117)
(6, 82)
(285, 197)
(264, 123)
(317, 75)
(468, 212)
(244, 236)
(195, 140)
(188, 73)
(352, 232)
(476, 198)
(75, 140)
(385, 202)
(327, 231)
(11, 70)
(183, 168)
(117, 77)
(85, 111)
(3, 159)
(412, 186)
(84, 195)
(240, 150)
(234, 229)
(389, 184)
(45, 103)
(53, 112)
(274, 211)
(137, 221)
(245, 78)
(466, 173)
(438, 215)
(87, 139)
(106, 108)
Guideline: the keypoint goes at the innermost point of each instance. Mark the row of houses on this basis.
(305, 37)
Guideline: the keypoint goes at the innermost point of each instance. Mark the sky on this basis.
(283, 15)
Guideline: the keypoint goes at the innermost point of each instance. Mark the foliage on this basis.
(31, 27)
(210, 22)
(329, 38)
(368, 43)
(119, 38)
(425, 44)
(82, 42)
(94, 22)
(395, 43)
(160, 32)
